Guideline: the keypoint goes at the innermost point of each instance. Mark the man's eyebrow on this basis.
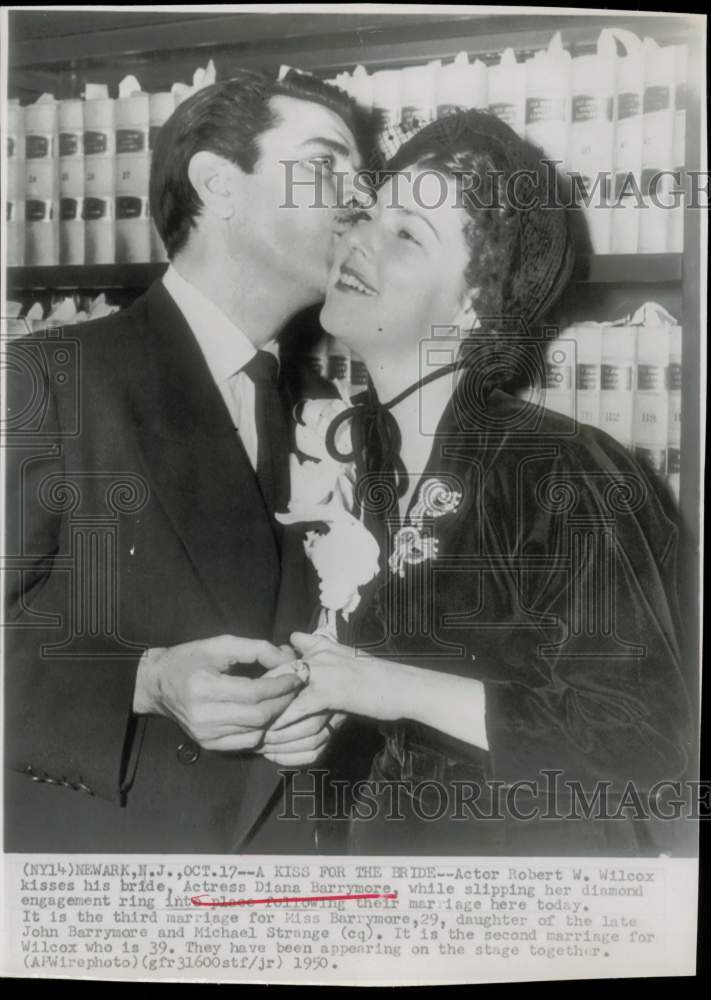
(334, 144)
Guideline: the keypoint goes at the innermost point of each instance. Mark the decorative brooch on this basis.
(410, 546)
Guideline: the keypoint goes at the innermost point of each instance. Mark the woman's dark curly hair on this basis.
(521, 252)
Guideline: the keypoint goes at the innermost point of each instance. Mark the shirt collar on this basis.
(227, 348)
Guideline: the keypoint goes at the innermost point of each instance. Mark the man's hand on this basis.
(189, 684)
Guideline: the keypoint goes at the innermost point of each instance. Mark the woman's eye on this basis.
(405, 234)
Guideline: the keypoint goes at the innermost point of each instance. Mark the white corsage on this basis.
(345, 556)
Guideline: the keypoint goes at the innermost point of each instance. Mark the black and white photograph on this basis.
(353, 365)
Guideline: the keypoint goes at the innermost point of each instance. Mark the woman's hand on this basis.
(341, 679)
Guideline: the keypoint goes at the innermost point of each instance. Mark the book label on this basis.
(131, 140)
(39, 210)
(654, 458)
(70, 209)
(97, 208)
(616, 378)
(38, 147)
(131, 207)
(70, 144)
(587, 108)
(545, 109)
(96, 143)
(628, 105)
(657, 98)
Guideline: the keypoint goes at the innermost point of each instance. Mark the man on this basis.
(147, 453)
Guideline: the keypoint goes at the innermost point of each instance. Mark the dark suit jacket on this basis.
(134, 520)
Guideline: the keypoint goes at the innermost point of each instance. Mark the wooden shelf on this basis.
(628, 269)
(87, 276)
(49, 52)
(610, 269)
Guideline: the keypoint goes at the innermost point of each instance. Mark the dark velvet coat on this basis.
(554, 584)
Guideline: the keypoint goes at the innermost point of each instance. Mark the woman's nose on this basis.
(361, 235)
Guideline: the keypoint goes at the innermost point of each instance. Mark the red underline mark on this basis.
(200, 900)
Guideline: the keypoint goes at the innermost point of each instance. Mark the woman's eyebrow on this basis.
(417, 215)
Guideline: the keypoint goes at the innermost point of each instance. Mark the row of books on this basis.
(625, 378)
(78, 170)
(78, 175)
(64, 311)
(615, 122)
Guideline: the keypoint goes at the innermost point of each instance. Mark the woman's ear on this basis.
(215, 181)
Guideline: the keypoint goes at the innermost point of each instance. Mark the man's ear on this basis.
(216, 182)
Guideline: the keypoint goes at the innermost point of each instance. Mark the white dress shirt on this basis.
(227, 349)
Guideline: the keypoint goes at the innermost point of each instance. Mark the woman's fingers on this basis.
(305, 643)
(294, 759)
(298, 730)
(307, 743)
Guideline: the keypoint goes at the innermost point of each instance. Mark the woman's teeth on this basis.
(353, 282)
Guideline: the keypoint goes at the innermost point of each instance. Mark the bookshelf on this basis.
(590, 269)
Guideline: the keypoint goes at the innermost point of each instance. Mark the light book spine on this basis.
(359, 375)
(387, 100)
(71, 182)
(160, 107)
(675, 230)
(559, 388)
(360, 87)
(617, 382)
(41, 184)
(548, 100)
(452, 86)
(15, 200)
(628, 151)
(417, 89)
(478, 88)
(339, 360)
(317, 357)
(99, 180)
(651, 402)
(674, 421)
(587, 338)
(133, 224)
(658, 131)
(506, 91)
(592, 140)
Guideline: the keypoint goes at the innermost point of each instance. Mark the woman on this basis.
(519, 644)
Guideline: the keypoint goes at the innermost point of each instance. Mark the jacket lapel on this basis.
(199, 470)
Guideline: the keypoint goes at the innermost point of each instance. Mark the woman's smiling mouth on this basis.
(350, 281)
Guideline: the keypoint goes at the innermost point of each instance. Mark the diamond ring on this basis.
(302, 669)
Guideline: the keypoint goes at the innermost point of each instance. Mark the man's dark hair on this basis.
(227, 118)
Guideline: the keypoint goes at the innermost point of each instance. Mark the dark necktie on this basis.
(272, 431)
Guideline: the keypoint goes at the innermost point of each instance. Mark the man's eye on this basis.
(325, 162)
